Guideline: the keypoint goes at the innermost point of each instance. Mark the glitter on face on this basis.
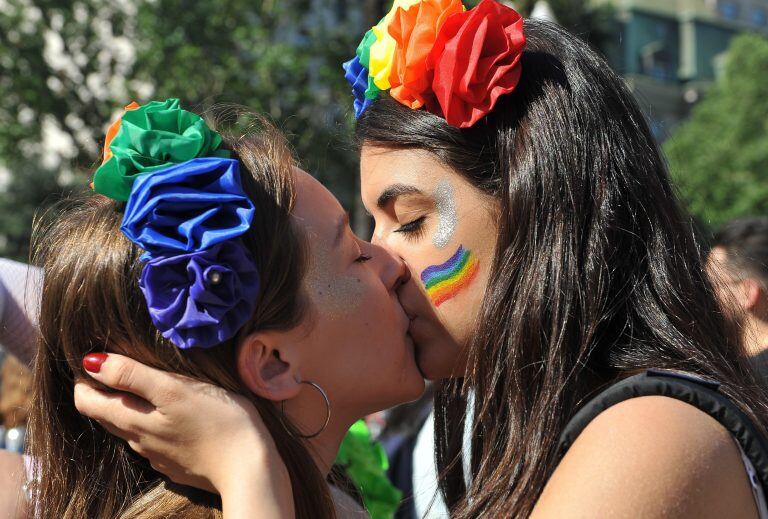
(444, 282)
(446, 211)
(336, 295)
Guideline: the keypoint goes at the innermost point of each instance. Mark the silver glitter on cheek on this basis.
(446, 211)
(335, 295)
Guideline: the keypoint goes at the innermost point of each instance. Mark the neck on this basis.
(325, 447)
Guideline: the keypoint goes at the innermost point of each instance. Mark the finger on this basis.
(125, 374)
(122, 411)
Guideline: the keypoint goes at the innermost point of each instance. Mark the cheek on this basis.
(335, 298)
(374, 315)
(417, 255)
(452, 277)
(353, 307)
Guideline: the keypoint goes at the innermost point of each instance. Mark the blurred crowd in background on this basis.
(698, 68)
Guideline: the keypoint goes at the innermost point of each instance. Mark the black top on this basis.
(699, 392)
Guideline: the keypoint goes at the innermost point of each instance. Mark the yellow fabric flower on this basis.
(383, 50)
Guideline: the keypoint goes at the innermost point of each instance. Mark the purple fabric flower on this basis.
(187, 207)
(201, 299)
(357, 76)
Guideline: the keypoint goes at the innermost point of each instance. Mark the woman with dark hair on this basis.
(555, 277)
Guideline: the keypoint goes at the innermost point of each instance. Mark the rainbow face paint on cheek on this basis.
(444, 282)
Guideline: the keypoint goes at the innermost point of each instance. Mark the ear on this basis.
(753, 293)
(265, 366)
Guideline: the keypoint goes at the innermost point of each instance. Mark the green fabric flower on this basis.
(152, 137)
(364, 53)
(366, 464)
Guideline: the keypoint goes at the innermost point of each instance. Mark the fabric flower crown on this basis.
(435, 54)
(187, 209)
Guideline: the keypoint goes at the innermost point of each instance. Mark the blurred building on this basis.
(671, 50)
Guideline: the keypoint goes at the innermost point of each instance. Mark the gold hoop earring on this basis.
(327, 414)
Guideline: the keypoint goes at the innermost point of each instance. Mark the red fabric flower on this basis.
(476, 59)
(414, 30)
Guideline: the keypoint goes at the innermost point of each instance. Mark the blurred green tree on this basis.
(67, 68)
(719, 157)
(46, 107)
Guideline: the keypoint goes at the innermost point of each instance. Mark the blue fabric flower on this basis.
(187, 207)
(201, 299)
(357, 76)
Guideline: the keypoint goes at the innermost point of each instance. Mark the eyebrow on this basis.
(341, 227)
(394, 191)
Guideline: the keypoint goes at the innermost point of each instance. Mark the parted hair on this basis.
(596, 276)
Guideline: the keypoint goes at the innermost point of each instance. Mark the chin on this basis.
(435, 363)
(418, 389)
(412, 383)
(408, 391)
(437, 349)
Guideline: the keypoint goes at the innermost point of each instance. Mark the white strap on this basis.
(754, 482)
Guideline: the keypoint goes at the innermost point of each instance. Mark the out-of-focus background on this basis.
(698, 67)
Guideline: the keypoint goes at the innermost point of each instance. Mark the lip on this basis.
(414, 351)
(413, 328)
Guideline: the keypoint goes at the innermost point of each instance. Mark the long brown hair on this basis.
(91, 300)
(596, 276)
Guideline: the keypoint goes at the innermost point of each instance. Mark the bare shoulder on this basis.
(12, 476)
(650, 457)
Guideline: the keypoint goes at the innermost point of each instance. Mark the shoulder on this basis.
(650, 457)
(12, 475)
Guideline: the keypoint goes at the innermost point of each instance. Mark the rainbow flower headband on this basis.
(435, 54)
(187, 209)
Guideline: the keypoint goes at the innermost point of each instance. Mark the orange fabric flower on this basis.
(113, 129)
(415, 32)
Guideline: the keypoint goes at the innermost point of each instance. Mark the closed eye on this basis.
(413, 230)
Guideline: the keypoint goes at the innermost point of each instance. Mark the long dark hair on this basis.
(91, 298)
(597, 274)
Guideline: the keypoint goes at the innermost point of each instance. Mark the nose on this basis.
(376, 238)
(393, 270)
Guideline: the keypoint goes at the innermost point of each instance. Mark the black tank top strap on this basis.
(696, 391)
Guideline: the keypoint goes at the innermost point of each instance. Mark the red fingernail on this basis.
(93, 361)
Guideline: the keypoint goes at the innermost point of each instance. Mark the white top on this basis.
(427, 498)
(754, 482)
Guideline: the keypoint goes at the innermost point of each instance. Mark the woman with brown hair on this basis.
(555, 277)
(267, 313)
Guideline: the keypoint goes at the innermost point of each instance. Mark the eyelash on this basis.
(363, 258)
(413, 230)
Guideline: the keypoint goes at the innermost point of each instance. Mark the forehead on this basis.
(316, 210)
(381, 167)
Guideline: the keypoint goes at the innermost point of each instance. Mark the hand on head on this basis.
(158, 414)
